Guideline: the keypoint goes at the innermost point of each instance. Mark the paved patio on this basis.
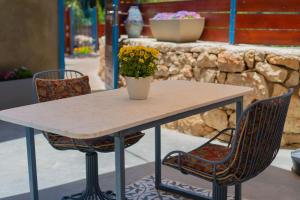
(88, 66)
(57, 168)
(63, 172)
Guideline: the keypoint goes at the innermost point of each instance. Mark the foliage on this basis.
(82, 10)
(138, 61)
(101, 14)
(19, 73)
(84, 50)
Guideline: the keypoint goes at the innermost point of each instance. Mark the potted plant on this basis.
(137, 65)
(182, 26)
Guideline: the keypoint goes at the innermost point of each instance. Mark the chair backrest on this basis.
(53, 75)
(258, 136)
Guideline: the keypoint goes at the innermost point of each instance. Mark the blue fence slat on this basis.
(115, 43)
(94, 28)
(232, 21)
(61, 34)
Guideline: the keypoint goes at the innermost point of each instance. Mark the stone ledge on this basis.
(289, 51)
(270, 71)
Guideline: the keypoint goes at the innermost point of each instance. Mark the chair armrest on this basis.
(220, 133)
(198, 158)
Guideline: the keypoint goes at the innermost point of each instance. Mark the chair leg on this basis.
(238, 191)
(219, 192)
(92, 191)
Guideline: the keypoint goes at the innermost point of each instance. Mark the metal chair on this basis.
(253, 146)
(57, 84)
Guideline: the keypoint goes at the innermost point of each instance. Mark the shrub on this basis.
(138, 61)
(19, 73)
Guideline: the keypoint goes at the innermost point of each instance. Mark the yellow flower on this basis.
(125, 59)
(131, 54)
(141, 60)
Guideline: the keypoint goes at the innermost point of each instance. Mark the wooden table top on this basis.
(108, 112)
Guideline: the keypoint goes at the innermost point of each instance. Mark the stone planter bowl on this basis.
(174, 30)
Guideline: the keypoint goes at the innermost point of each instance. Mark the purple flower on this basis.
(178, 15)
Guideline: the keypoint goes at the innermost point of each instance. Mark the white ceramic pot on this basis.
(177, 30)
(138, 88)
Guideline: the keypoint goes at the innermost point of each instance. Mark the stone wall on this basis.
(28, 34)
(270, 71)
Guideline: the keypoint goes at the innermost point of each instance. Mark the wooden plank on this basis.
(267, 37)
(191, 5)
(218, 35)
(105, 113)
(209, 34)
(268, 5)
(273, 21)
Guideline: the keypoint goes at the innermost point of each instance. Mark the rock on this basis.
(178, 77)
(198, 49)
(197, 73)
(221, 77)
(278, 90)
(162, 71)
(214, 50)
(294, 109)
(199, 128)
(216, 119)
(292, 125)
(229, 61)
(229, 111)
(259, 56)
(195, 55)
(272, 73)
(250, 79)
(291, 138)
(250, 58)
(194, 125)
(232, 120)
(293, 79)
(207, 60)
(189, 59)
(187, 71)
(172, 125)
(173, 70)
(287, 61)
(208, 75)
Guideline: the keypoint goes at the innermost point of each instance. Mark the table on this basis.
(111, 112)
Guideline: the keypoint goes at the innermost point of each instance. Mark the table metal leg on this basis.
(239, 109)
(157, 157)
(120, 167)
(33, 184)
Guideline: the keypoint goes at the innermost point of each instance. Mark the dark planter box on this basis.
(15, 93)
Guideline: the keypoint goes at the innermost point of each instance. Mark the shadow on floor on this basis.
(272, 184)
(10, 131)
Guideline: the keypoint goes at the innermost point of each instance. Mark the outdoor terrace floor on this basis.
(63, 172)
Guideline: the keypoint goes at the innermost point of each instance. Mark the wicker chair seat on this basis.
(102, 144)
(189, 165)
